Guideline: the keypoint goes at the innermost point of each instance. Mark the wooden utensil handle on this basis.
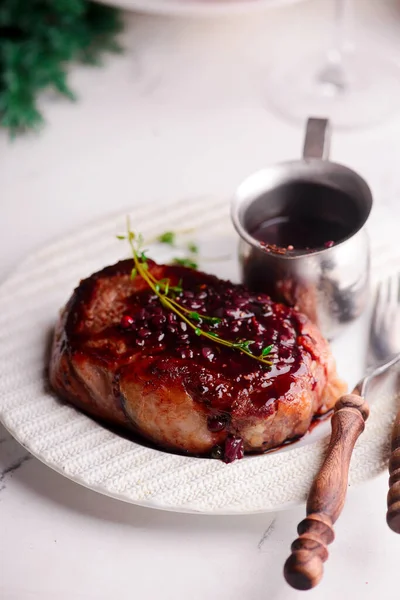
(304, 567)
(393, 499)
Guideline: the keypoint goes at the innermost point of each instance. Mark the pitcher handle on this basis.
(317, 140)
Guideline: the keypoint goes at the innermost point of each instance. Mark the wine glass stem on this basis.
(334, 74)
(342, 26)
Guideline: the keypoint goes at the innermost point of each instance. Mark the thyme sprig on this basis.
(162, 289)
(162, 286)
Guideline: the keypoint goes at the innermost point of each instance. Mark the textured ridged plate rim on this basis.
(89, 454)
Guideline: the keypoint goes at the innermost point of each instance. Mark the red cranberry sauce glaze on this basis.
(224, 374)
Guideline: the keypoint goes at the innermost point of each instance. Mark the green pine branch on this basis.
(37, 40)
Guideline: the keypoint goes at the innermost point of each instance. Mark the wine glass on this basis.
(350, 85)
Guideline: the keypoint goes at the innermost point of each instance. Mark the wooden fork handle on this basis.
(393, 499)
(304, 567)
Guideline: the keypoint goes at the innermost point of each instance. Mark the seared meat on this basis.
(121, 356)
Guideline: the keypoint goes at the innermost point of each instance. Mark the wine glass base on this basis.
(364, 93)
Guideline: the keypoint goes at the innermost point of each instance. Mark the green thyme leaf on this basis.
(197, 331)
(244, 345)
(133, 273)
(194, 316)
(185, 262)
(167, 238)
(212, 320)
(121, 237)
(193, 248)
(267, 350)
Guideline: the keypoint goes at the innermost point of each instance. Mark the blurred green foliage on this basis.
(38, 38)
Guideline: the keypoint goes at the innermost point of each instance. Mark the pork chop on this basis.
(121, 356)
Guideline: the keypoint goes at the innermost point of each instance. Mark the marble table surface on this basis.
(180, 114)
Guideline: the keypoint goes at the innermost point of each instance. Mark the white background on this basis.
(180, 114)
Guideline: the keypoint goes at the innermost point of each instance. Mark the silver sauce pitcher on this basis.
(329, 284)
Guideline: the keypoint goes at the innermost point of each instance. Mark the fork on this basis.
(304, 567)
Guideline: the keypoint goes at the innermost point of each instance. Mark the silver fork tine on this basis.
(394, 306)
(385, 322)
(398, 289)
(390, 302)
(389, 310)
(393, 293)
(397, 316)
(378, 310)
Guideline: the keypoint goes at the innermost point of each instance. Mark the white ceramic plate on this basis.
(198, 8)
(81, 449)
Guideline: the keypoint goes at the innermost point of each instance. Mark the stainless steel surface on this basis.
(384, 342)
(317, 140)
(330, 285)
